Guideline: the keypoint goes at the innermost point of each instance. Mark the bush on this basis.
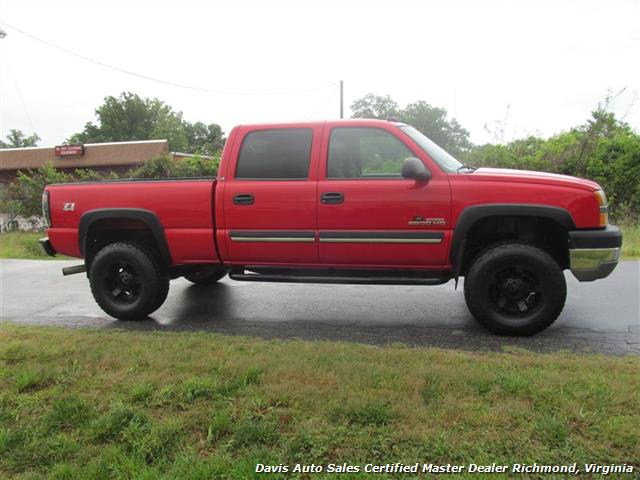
(165, 166)
(24, 196)
(604, 149)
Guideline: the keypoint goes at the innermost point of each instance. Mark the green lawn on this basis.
(110, 404)
(25, 245)
(630, 241)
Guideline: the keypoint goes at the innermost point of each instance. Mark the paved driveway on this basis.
(599, 317)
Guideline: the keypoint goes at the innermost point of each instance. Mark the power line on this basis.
(158, 80)
(17, 85)
(324, 102)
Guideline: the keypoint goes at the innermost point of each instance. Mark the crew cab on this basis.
(349, 201)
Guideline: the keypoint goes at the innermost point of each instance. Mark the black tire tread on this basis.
(555, 281)
(161, 278)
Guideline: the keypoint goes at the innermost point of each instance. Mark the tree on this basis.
(375, 106)
(431, 121)
(130, 117)
(17, 139)
(204, 139)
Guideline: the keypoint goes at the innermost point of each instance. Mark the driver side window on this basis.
(366, 153)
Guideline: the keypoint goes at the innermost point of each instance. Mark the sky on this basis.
(520, 67)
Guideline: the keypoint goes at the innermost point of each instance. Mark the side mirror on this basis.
(414, 168)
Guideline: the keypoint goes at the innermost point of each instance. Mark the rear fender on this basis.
(147, 217)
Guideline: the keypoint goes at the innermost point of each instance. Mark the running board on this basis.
(341, 278)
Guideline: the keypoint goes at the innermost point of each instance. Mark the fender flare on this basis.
(147, 217)
(472, 214)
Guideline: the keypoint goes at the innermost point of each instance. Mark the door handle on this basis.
(243, 199)
(332, 197)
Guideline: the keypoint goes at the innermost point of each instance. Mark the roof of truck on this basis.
(312, 123)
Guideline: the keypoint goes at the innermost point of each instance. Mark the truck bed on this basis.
(184, 207)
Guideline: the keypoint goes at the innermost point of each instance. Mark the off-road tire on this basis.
(120, 261)
(509, 277)
(206, 275)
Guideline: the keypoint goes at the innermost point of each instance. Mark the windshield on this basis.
(440, 156)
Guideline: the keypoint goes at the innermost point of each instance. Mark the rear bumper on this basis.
(594, 254)
(47, 247)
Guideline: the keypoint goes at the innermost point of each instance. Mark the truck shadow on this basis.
(351, 315)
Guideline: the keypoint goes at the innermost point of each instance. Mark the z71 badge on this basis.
(68, 207)
(419, 220)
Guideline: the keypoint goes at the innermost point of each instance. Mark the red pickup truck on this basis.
(349, 201)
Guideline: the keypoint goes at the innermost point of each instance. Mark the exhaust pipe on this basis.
(75, 269)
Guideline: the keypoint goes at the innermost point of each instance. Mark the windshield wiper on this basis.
(467, 168)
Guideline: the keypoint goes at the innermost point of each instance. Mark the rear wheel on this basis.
(128, 281)
(515, 289)
(206, 275)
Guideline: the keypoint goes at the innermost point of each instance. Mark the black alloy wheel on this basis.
(515, 289)
(128, 281)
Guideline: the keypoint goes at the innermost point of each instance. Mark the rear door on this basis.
(269, 196)
(368, 214)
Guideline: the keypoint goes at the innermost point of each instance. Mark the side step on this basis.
(359, 277)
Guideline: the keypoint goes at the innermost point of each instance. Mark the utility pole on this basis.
(341, 99)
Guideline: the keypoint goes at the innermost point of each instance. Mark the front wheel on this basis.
(127, 281)
(515, 289)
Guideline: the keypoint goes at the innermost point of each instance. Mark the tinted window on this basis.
(365, 153)
(438, 154)
(275, 154)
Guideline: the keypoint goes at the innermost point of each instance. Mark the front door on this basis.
(368, 214)
(270, 197)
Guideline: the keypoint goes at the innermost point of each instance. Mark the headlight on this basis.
(46, 211)
(604, 207)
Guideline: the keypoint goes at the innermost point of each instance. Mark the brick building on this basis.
(103, 157)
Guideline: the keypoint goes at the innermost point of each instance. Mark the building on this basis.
(103, 157)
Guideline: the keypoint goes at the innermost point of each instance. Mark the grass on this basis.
(630, 241)
(25, 245)
(83, 404)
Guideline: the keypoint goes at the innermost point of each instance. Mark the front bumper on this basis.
(594, 254)
(47, 247)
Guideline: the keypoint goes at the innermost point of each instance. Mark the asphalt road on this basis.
(602, 317)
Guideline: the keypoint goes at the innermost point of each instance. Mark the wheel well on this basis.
(110, 230)
(545, 233)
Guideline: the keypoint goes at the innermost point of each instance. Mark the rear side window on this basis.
(366, 153)
(281, 154)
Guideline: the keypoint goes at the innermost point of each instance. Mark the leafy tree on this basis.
(17, 139)
(375, 106)
(130, 117)
(204, 139)
(431, 121)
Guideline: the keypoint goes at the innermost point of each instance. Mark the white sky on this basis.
(550, 61)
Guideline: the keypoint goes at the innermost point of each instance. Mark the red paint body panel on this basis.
(197, 216)
(468, 190)
(384, 205)
(288, 205)
(184, 209)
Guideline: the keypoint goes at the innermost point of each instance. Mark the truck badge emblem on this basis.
(69, 207)
(420, 220)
